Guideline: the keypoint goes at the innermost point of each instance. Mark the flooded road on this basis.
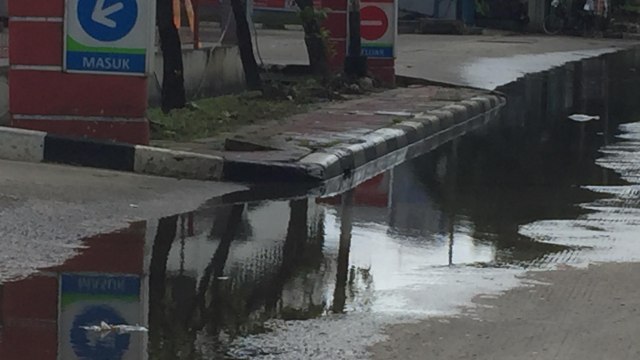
(318, 277)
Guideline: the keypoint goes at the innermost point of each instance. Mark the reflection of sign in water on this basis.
(108, 36)
(88, 300)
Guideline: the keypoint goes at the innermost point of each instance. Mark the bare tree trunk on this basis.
(173, 92)
(251, 73)
(316, 47)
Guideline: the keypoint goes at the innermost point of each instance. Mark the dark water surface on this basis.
(412, 240)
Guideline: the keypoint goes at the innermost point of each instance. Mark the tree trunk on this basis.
(245, 44)
(316, 47)
(173, 93)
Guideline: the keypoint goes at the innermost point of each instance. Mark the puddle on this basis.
(609, 232)
(317, 277)
(510, 68)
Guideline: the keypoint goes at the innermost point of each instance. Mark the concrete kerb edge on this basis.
(460, 118)
(178, 164)
(36, 146)
(22, 145)
(31, 146)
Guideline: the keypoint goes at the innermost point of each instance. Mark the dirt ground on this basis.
(575, 314)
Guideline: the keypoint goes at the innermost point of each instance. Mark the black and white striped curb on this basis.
(37, 146)
(382, 148)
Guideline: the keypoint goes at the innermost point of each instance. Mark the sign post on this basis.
(108, 37)
(79, 67)
(378, 29)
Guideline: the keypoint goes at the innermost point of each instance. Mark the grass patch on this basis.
(212, 116)
(631, 8)
(281, 96)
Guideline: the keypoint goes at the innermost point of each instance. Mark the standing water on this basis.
(317, 277)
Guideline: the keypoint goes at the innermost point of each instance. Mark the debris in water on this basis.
(395, 113)
(120, 329)
(583, 117)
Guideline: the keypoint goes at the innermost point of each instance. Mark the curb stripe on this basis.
(22, 145)
(103, 155)
(390, 145)
(37, 146)
(403, 141)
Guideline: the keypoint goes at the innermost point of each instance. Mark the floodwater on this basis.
(317, 277)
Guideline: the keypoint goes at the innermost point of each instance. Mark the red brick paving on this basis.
(334, 123)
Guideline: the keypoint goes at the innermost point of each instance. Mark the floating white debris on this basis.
(583, 117)
(106, 328)
(395, 113)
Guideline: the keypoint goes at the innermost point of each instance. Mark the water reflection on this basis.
(42, 317)
(395, 243)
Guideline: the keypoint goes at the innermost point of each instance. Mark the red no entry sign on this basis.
(374, 22)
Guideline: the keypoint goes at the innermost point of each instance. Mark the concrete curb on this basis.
(381, 148)
(405, 140)
(37, 146)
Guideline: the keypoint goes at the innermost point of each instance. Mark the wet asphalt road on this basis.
(484, 61)
(327, 275)
(588, 314)
(46, 210)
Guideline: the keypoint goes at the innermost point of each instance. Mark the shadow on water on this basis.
(201, 279)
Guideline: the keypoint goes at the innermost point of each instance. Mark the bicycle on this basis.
(557, 18)
(561, 18)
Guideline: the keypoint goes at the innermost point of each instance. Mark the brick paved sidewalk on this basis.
(340, 137)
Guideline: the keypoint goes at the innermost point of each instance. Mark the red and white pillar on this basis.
(336, 23)
(44, 97)
(378, 31)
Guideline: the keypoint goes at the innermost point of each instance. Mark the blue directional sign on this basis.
(107, 20)
(108, 36)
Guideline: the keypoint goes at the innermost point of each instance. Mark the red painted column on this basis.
(43, 97)
(336, 24)
(384, 70)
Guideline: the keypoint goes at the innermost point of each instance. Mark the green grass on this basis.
(631, 8)
(212, 116)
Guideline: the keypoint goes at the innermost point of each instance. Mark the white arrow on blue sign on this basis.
(108, 36)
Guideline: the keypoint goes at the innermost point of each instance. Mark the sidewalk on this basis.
(340, 138)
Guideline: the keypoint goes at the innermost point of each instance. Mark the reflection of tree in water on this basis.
(231, 300)
(346, 230)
